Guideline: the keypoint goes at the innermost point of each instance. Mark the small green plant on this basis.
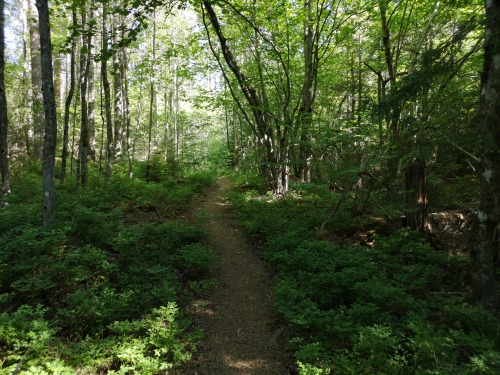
(200, 286)
(151, 345)
(25, 335)
(195, 258)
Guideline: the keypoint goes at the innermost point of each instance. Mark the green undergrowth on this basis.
(96, 292)
(398, 307)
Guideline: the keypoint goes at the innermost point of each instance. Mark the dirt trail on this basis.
(238, 314)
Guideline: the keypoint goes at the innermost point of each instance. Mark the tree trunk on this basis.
(37, 100)
(138, 122)
(176, 113)
(166, 115)
(73, 130)
(107, 97)
(67, 104)
(49, 103)
(57, 79)
(236, 147)
(307, 95)
(118, 93)
(152, 94)
(270, 139)
(393, 111)
(126, 114)
(4, 153)
(91, 109)
(84, 130)
(415, 195)
(103, 122)
(151, 121)
(170, 131)
(26, 95)
(484, 247)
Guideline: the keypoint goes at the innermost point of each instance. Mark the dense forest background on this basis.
(362, 137)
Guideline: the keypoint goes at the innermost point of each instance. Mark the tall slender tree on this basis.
(308, 94)
(36, 82)
(91, 110)
(176, 114)
(4, 124)
(126, 114)
(49, 103)
(107, 94)
(485, 246)
(25, 103)
(69, 98)
(152, 93)
(85, 61)
(118, 34)
(271, 138)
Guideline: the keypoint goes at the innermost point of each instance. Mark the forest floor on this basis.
(237, 316)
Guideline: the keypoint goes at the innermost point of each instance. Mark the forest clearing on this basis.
(249, 187)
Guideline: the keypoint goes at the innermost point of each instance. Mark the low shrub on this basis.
(90, 294)
(143, 346)
(26, 263)
(195, 259)
(399, 307)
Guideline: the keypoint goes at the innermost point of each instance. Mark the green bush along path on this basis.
(102, 290)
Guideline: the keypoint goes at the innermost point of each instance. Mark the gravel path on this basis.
(238, 316)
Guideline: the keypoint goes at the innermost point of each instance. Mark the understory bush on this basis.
(143, 346)
(397, 307)
(95, 293)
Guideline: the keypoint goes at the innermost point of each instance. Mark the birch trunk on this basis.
(67, 105)
(118, 93)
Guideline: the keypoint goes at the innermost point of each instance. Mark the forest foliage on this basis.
(397, 306)
(341, 119)
(103, 288)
